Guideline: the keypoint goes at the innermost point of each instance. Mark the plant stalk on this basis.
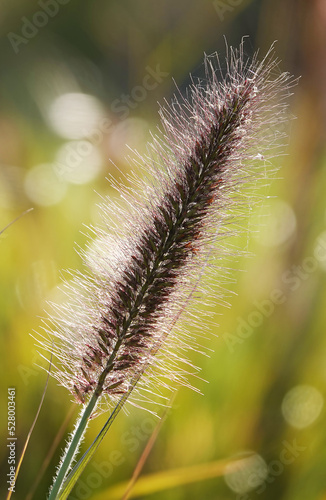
(78, 434)
(81, 427)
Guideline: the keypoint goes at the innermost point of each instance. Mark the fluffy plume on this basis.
(145, 269)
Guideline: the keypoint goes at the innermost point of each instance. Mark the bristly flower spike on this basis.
(122, 313)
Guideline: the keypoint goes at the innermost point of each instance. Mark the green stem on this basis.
(78, 469)
(81, 426)
(73, 446)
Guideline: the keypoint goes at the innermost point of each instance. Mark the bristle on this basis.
(125, 308)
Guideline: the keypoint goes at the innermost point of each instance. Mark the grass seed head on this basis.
(121, 314)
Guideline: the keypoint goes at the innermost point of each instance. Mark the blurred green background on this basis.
(74, 90)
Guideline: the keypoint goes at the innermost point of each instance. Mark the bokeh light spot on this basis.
(302, 405)
(43, 187)
(246, 473)
(278, 226)
(78, 162)
(75, 115)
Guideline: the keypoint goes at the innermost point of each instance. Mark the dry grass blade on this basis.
(146, 452)
(16, 219)
(165, 480)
